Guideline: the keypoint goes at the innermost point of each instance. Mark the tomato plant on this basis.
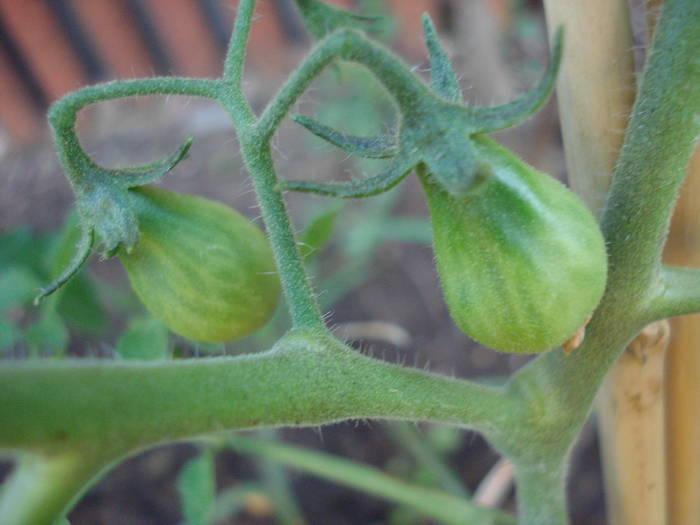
(499, 229)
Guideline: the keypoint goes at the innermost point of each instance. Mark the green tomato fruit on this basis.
(204, 270)
(521, 260)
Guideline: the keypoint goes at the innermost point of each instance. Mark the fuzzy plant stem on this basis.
(541, 494)
(301, 300)
(558, 390)
(63, 114)
(405, 87)
(306, 379)
(255, 146)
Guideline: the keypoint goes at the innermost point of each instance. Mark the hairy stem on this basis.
(235, 57)
(406, 88)
(302, 303)
(679, 293)
(307, 379)
(558, 390)
(541, 494)
(63, 114)
(660, 140)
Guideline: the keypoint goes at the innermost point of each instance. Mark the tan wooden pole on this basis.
(595, 89)
(682, 374)
(683, 366)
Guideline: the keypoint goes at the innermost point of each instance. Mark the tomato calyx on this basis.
(437, 131)
(106, 211)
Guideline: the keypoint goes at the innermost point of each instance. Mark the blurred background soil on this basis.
(499, 50)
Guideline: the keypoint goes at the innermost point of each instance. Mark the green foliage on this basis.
(145, 338)
(197, 487)
(17, 287)
(48, 334)
(319, 231)
(27, 261)
(447, 508)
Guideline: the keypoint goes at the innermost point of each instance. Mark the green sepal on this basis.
(102, 199)
(376, 147)
(106, 208)
(444, 80)
(84, 249)
(140, 175)
(355, 189)
(453, 164)
(512, 113)
(321, 19)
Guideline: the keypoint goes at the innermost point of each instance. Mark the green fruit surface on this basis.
(203, 269)
(521, 260)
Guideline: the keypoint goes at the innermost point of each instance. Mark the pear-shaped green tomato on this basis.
(200, 267)
(521, 259)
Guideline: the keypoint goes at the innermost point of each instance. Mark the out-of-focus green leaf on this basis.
(437, 504)
(18, 285)
(9, 334)
(319, 231)
(48, 335)
(197, 487)
(80, 307)
(145, 338)
(21, 248)
(443, 439)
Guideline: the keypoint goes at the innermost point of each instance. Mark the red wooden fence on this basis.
(50, 47)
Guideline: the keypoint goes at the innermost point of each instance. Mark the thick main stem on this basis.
(558, 390)
(541, 494)
(306, 379)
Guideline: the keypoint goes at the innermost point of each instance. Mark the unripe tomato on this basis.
(521, 260)
(200, 267)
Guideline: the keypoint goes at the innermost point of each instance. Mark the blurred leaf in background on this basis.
(197, 487)
(145, 338)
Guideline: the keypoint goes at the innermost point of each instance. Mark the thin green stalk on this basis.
(444, 507)
(302, 303)
(679, 295)
(238, 45)
(232, 97)
(63, 114)
(406, 88)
